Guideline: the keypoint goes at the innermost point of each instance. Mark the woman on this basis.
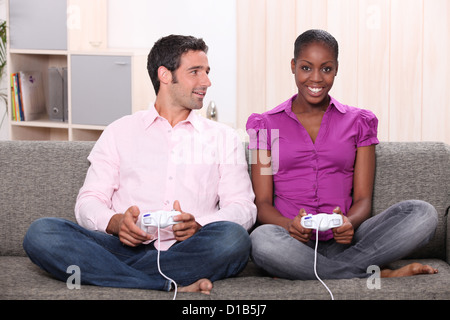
(316, 155)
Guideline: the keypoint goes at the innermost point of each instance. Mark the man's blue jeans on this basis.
(218, 250)
(382, 239)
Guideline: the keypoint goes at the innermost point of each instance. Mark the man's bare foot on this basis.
(408, 270)
(203, 285)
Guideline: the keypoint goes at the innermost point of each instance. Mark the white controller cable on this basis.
(159, 267)
(315, 262)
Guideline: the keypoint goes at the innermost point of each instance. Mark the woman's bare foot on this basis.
(203, 285)
(408, 270)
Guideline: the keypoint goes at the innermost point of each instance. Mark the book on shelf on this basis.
(15, 102)
(27, 96)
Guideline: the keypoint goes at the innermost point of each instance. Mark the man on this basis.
(161, 159)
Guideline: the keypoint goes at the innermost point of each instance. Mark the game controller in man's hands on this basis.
(160, 218)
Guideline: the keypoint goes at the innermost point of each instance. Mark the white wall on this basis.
(394, 59)
(139, 23)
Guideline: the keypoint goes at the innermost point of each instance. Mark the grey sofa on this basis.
(39, 179)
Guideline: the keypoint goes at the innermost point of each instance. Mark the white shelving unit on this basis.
(85, 36)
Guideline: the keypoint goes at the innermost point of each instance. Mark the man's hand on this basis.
(187, 227)
(297, 231)
(124, 226)
(343, 234)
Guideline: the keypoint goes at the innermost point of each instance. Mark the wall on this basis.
(143, 23)
(394, 59)
(395, 54)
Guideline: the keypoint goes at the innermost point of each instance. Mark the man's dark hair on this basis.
(316, 35)
(167, 52)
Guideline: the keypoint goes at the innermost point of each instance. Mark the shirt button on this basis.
(170, 178)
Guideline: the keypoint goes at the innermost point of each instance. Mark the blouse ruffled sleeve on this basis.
(368, 127)
(257, 132)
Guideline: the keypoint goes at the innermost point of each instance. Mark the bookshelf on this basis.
(91, 93)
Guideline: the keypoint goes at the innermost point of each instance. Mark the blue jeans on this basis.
(382, 239)
(218, 250)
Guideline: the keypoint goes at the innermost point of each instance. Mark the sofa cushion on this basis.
(415, 170)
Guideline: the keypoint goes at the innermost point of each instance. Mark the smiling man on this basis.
(165, 158)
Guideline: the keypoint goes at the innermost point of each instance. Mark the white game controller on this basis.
(322, 221)
(159, 218)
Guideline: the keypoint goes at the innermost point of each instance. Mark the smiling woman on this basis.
(315, 66)
(314, 70)
(326, 161)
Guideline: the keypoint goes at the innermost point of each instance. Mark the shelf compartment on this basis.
(41, 123)
(86, 134)
(27, 132)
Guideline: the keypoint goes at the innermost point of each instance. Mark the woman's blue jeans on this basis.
(218, 250)
(382, 239)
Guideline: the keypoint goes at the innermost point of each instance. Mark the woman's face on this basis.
(315, 69)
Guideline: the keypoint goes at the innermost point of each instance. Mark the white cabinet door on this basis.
(38, 25)
(101, 88)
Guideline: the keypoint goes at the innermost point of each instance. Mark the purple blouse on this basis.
(315, 176)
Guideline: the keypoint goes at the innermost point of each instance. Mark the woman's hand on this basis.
(296, 230)
(344, 233)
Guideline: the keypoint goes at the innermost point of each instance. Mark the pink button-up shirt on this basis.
(142, 160)
(315, 176)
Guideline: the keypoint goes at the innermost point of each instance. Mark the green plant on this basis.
(3, 57)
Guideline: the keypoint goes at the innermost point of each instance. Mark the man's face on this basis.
(190, 81)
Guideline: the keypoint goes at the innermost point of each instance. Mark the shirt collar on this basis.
(195, 121)
(287, 106)
(151, 116)
(339, 106)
